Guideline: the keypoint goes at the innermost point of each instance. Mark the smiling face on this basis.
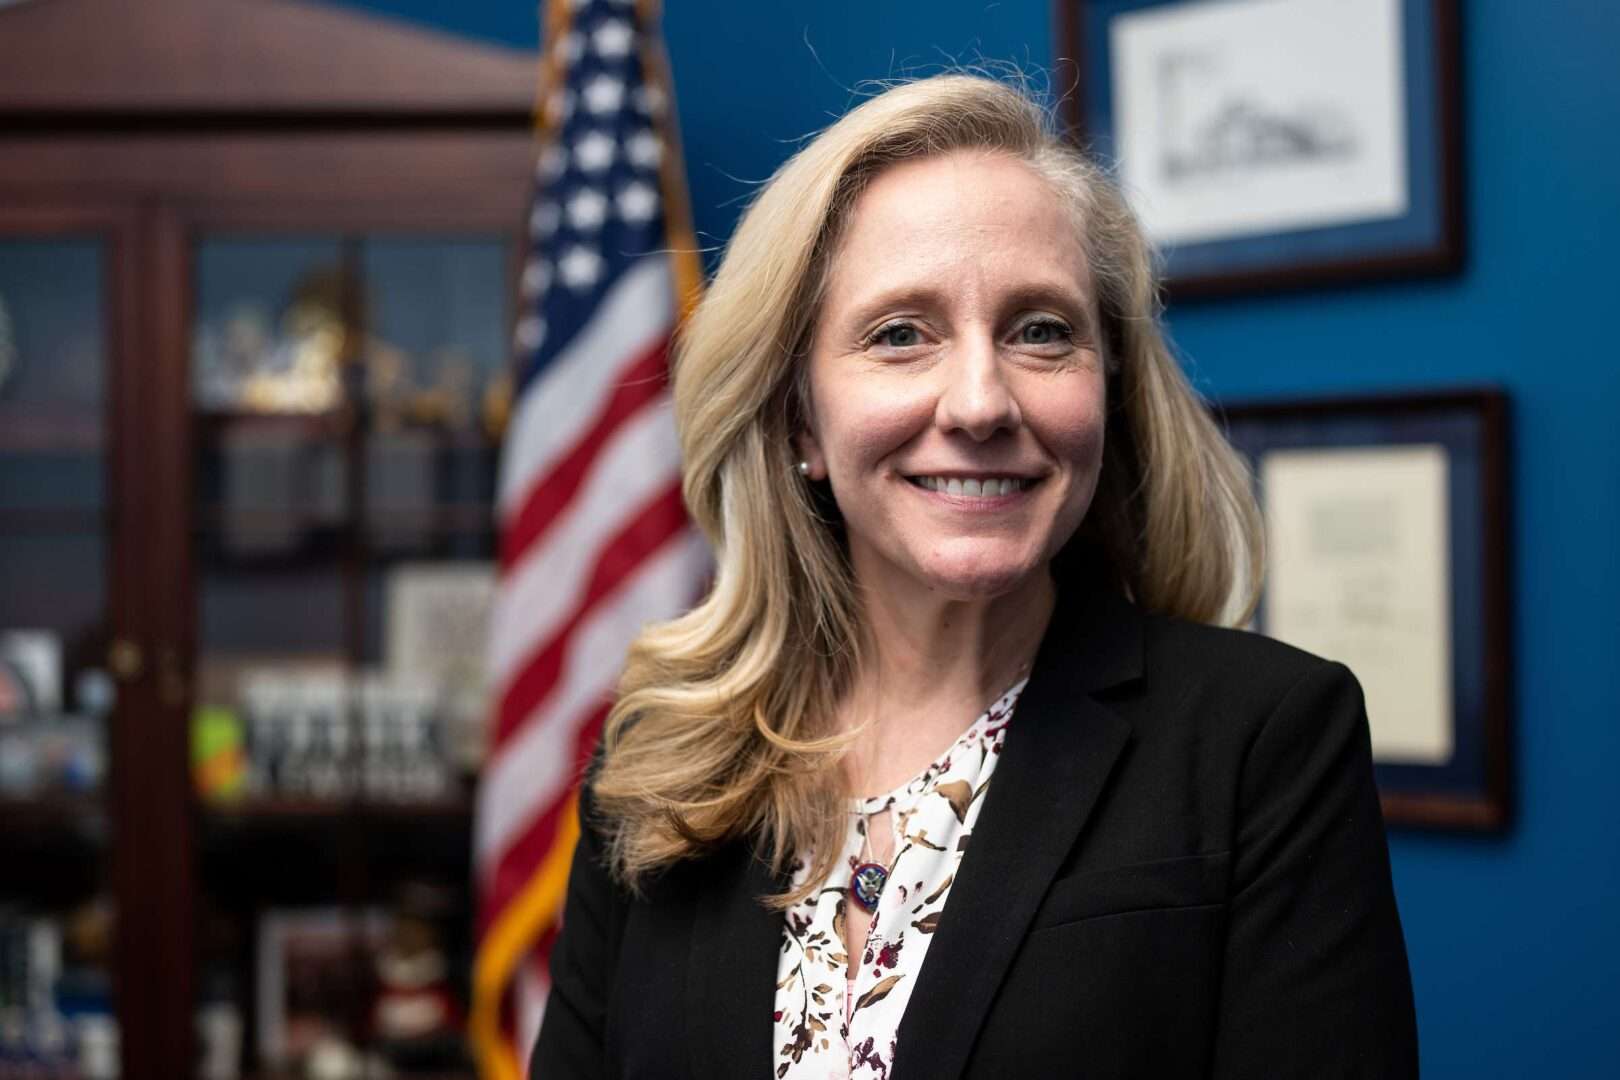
(957, 397)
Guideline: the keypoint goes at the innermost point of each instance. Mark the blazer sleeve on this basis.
(1315, 980)
(583, 958)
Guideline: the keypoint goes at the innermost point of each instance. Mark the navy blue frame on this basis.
(1471, 790)
(1428, 239)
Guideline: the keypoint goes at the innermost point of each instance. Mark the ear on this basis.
(806, 441)
(808, 449)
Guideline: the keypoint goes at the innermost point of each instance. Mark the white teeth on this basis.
(972, 488)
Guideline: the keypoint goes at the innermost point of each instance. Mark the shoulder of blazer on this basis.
(1169, 640)
(1247, 675)
(1159, 672)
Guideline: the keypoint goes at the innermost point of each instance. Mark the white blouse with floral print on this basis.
(825, 1028)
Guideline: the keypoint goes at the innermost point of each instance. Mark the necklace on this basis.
(867, 880)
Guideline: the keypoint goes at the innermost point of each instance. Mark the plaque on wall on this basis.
(1386, 531)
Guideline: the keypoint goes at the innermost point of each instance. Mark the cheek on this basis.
(860, 425)
(1074, 424)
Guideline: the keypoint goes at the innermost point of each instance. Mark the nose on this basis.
(975, 397)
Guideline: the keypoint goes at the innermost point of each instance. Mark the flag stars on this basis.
(638, 202)
(613, 39)
(559, 107)
(594, 152)
(644, 149)
(604, 94)
(536, 278)
(648, 99)
(587, 210)
(531, 331)
(580, 267)
(553, 160)
(543, 220)
(570, 47)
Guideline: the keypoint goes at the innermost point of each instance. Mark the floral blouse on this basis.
(827, 1027)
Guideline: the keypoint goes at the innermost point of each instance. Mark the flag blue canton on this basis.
(598, 205)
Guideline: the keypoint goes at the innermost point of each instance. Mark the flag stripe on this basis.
(642, 383)
(644, 532)
(532, 988)
(555, 406)
(501, 949)
(517, 862)
(528, 772)
(574, 690)
(541, 591)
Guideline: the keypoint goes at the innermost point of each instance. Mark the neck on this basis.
(931, 665)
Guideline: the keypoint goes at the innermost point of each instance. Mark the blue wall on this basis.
(1514, 941)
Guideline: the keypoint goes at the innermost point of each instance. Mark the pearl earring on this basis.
(804, 468)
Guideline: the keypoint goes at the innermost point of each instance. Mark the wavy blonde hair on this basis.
(724, 724)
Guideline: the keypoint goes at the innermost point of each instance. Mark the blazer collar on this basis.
(1061, 747)
(731, 969)
(1059, 750)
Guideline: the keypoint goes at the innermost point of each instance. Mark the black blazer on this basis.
(1179, 871)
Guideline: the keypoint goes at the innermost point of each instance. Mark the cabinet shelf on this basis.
(52, 821)
(289, 852)
(52, 431)
(60, 841)
(445, 518)
(323, 813)
(51, 520)
(403, 1076)
(212, 425)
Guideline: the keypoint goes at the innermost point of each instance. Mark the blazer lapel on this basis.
(1059, 750)
(731, 970)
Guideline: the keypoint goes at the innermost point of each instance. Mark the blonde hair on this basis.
(723, 727)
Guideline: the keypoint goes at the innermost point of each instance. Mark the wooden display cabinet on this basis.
(190, 188)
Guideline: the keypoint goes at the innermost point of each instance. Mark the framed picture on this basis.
(1275, 143)
(1386, 549)
(312, 965)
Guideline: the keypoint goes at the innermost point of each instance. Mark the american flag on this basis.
(594, 541)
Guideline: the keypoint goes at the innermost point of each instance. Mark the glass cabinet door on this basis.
(347, 400)
(56, 694)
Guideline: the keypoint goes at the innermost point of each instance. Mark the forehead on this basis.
(985, 215)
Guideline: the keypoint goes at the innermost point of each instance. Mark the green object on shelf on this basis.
(218, 760)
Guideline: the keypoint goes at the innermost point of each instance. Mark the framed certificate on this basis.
(1268, 143)
(1386, 535)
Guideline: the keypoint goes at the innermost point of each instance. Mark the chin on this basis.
(980, 580)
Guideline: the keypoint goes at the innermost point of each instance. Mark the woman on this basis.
(948, 775)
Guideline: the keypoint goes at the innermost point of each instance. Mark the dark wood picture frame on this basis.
(1472, 791)
(1427, 241)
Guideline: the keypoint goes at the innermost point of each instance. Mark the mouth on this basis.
(974, 487)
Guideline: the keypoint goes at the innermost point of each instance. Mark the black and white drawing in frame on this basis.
(1276, 141)
(1239, 118)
